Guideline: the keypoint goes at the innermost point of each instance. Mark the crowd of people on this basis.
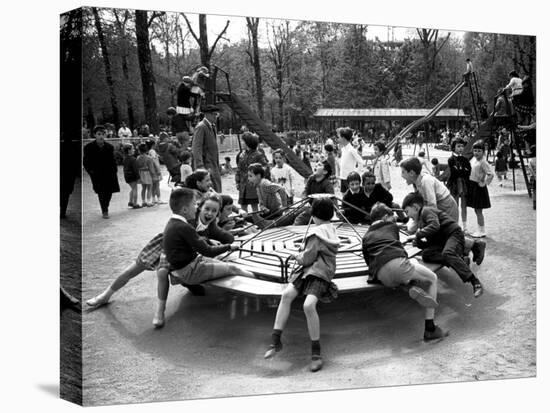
(205, 220)
(350, 179)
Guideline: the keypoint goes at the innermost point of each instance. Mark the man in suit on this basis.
(99, 162)
(205, 146)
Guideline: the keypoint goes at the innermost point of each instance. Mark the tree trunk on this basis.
(253, 30)
(146, 70)
(203, 41)
(107, 64)
(121, 28)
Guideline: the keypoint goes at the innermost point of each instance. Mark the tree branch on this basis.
(218, 38)
(154, 16)
(190, 28)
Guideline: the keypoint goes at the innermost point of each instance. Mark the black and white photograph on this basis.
(266, 203)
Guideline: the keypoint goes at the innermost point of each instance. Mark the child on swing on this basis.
(314, 280)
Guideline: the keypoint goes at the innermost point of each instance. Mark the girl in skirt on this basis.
(478, 195)
(146, 169)
(314, 280)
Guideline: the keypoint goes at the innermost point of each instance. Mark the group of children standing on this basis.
(142, 170)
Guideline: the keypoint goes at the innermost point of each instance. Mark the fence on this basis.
(229, 144)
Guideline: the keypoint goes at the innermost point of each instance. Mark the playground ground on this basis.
(213, 346)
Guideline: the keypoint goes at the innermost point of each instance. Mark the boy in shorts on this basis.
(389, 262)
(186, 251)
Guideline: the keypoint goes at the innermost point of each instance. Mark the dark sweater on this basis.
(381, 244)
(378, 194)
(181, 244)
(131, 172)
(434, 225)
(318, 187)
(358, 200)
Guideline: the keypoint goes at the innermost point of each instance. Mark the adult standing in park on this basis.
(205, 146)
(99, 162)
(124, 133)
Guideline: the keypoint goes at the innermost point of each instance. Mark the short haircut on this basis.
(226, 200)
(322, 208)
(181, 197)
(279, 152)
(227, 159)
(413, 198)
(150, 143)
(211, 197)
(142, 148)
(251, 140)
(367, 175)
(411, 164)
(380, 145)
(353, 176)
(435, 161)
(128, 149)
(513, 73)
(346, 133)
(379, 210)
(479, 144)
(457, 141)
(257, 169)
(196, 176)
(422, 154)
(98, 128)
(329, 148)
(185, 155)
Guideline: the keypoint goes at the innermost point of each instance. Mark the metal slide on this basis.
(247, 115)
(415, 124)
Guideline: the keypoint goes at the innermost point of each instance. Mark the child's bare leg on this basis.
(312, 317)
(134, 193)
(283, 311)
(162, 294)
(463, 211)
(480, 217)
(313, 326)
(143, 192)
(428, 278)
(129, 272)
(149, 187)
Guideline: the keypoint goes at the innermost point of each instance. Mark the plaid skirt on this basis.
(325, 291)
(149, 256)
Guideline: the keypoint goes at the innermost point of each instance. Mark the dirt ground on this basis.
(213, 346)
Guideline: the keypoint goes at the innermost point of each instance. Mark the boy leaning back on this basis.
(186, 251)
(388, 261)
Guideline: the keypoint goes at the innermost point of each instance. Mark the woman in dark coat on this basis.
(99, 162)
(247, 191)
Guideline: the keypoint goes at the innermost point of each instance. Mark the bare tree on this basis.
(120, 24)
(280, 54)
(431, 48)
(202, 38)
(146, 68)
(254, 56)
(107, 64)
